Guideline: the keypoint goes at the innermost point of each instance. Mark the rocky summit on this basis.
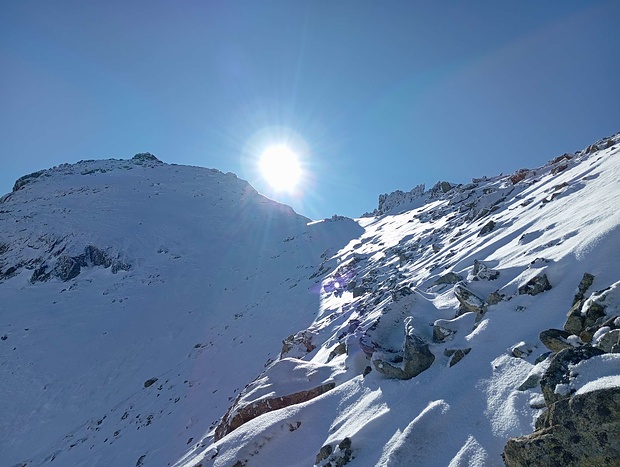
(157, 315)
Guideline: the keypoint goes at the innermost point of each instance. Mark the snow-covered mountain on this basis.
(155, 315)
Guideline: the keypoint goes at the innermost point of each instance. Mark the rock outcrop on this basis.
(416, 357)
(237, 416)
(387, 202)
(559, 372)
(581, 431)
(555, 339)
(69, 267)
(536, 285)
(579, 427)
(469, 301)
(305, 381)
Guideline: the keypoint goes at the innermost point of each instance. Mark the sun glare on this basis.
(280, 168)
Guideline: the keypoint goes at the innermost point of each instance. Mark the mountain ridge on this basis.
(146, 364)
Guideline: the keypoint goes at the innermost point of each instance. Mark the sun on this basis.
(280, 167)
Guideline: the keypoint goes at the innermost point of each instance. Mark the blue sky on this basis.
(378, 96)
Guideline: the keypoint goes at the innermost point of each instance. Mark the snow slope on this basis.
(189, 276)
(217, 276)
(560, 220)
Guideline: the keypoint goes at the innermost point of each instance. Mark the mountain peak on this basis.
(156, 314)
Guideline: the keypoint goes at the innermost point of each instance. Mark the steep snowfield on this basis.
(114, 273)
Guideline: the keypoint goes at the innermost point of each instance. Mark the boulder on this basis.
(488, 227)
(536, 285)
(324, 453)
(593, 312)
(521, 350)
(469, 301)
(444, 328)
(494, 298)
(574, 321)
(416, 357)
(610, 341)
(440, 333)
(456, 354)
(530, 382)
(555, 339)
(150, 382)
(338, 457)
(340, 349)
(584, 285)
(448, 278)
(582, 431)
(483, 272)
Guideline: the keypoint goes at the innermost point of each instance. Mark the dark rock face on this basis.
(456, 354)
(574, 321)
(536, 285)
(555, 339)
(416, 357)
(338, 457)
(583, 431)
(69, 267)
(145, 156)
(584, 285)
(150, 382)
(558, 370)
(494, 298)
(483, 272)
(96, 257)
(610, 342)
(488, 227)
(249, 412)
(580, 429)
(21, 182)
(449, 278)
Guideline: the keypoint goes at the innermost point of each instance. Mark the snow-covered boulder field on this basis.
(155, 315)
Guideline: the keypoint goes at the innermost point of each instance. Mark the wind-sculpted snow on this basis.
(236, 308)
